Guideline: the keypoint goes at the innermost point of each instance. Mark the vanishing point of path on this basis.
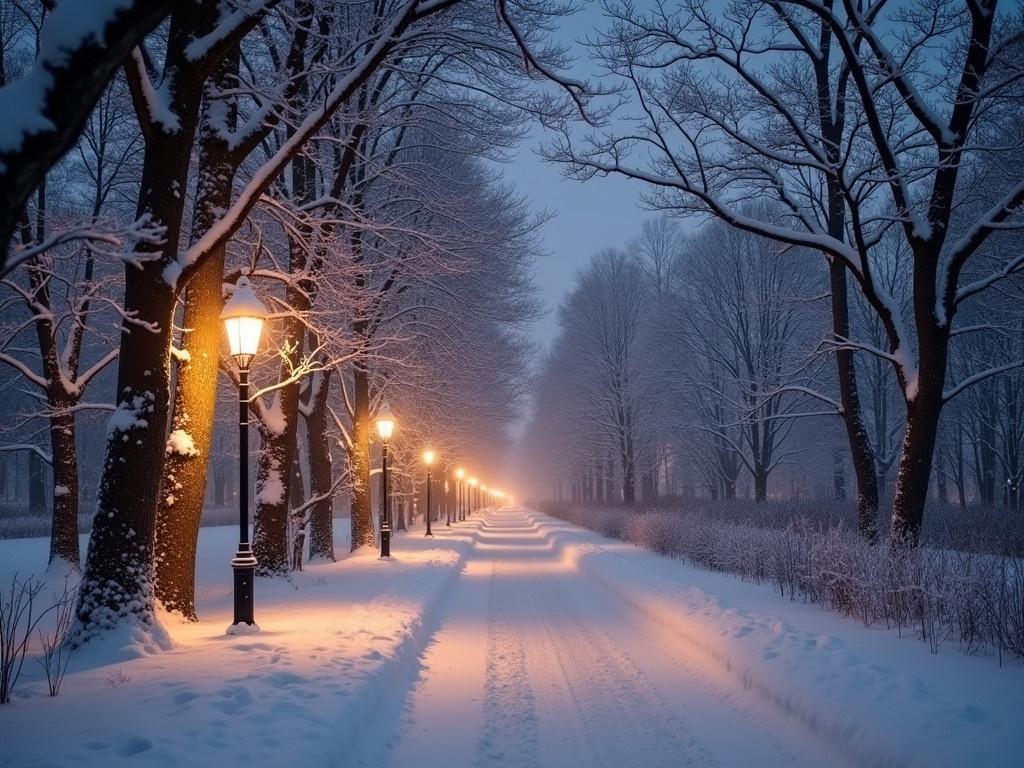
(532, 664)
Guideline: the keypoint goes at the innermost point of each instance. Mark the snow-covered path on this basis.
(533, 664)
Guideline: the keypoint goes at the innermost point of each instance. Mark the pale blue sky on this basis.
(603, 212)
(587, 217)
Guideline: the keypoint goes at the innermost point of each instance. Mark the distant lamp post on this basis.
(243, 316)
(385, 428)
(428, 459)
(472, 491)
(460, 475)
(483, 495)
(447, 504)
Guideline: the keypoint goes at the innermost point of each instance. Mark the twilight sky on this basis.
(603, 212)
(587, 217)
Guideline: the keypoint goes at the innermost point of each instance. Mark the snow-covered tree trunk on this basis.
(361, 511)
(861, 452)
(321, 515)
(924, 408)
(195, 395)
(64, 529)
(117, 583)
(279, 435)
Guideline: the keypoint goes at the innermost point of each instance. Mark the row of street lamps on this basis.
(243, 316)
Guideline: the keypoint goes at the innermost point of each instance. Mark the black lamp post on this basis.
(385, 428)
(428, 459)
(243, 317)
(447, 504)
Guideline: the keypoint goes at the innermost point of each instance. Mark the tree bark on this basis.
(36, 488)
(321, 515)
(861, 452)
(363, 533)
(760, 485)
(64, 528)
(195, 400)
(195, 396)
(923, 411)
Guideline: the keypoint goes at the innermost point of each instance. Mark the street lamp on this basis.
(447, 503)
(428, 459)
(243, 317)
(472, 490)
(460, 473)
(483, 494)
(385, 428)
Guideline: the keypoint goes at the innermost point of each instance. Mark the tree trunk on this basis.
(297, 485)
(321, 515)
(270, 528)
(64, 528)
(195, 397)
(36, 487)
(923, 412)
(363, 534)
(117, 584)
(838, 477)
(760, 484)
(195, 401)
(940, 479)
(274, 473)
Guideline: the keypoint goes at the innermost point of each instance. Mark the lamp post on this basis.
(472, 492)
(483, 495)
(460, 474)
(428, 459)
(447, 504)
(385, 428)
(243, 316)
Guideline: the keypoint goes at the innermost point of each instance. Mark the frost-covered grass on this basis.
(952, 590)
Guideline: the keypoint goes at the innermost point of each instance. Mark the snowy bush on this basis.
(962, 586)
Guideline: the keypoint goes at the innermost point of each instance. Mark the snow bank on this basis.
(337, 641)
(884, 701)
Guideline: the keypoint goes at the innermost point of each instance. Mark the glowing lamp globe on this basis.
(385, 422)
(428, 457)
(460, 473)
(243, 317)
(472, 482)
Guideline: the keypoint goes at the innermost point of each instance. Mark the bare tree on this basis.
(727, 103)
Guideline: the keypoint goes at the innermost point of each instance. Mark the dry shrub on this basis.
(961, 585)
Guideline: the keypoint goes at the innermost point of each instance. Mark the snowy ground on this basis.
(515, 640)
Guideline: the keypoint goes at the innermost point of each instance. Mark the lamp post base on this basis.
(385, 541)
(244, 566)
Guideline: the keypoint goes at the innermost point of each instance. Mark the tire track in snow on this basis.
(510, 734)
(623, 719)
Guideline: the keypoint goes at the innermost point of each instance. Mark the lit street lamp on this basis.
(472, 491)
(428, 459)
(385, 428)
(243, 317)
